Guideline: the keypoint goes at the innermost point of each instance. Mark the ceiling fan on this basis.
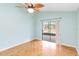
(32, 7)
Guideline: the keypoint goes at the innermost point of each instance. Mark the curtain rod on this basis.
(51, 19)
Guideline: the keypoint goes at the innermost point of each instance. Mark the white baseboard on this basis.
(38, 39)
(15, 45)
(68, 45)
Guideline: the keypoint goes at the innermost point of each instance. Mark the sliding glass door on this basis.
(49, 31)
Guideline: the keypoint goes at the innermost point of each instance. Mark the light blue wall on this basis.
(68, 26)
(16, 25)
(35, 18)
(78, 31)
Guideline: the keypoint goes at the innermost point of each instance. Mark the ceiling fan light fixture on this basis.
(30, 10)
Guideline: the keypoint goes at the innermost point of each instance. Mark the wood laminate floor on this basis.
(39, 48)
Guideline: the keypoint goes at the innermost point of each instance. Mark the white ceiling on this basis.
(60, 7)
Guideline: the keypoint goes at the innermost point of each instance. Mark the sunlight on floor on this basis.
(48, 44)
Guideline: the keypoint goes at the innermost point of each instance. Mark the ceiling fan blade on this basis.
(39, 5)
(20, 5)
(25, 5)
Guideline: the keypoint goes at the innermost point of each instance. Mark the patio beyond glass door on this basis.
(49, 31)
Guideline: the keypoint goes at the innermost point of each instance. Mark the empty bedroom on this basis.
(39, 29)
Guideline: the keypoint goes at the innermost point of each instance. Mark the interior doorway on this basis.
(50, 31)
